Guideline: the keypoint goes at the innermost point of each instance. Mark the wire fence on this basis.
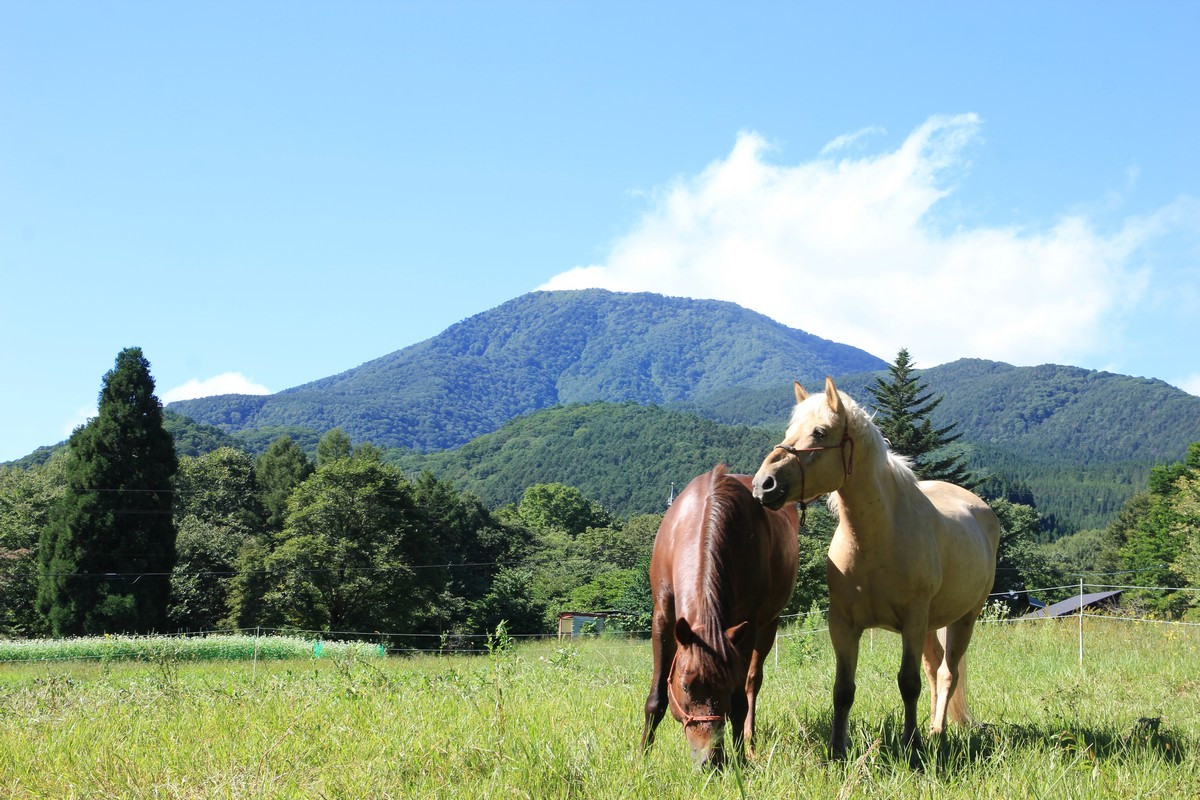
(288, 642)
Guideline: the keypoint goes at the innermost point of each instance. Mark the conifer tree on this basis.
(278, 471)
(106, 556)
(904, 405)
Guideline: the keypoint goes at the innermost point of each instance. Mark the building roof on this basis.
(1072, 604)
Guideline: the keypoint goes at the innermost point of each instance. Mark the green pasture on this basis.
(554, 720)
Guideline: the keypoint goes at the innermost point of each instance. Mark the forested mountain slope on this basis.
(1048, 412)
(540, 350)
(1077, 442)
(623, 455)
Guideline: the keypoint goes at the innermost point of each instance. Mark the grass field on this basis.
(548, 720)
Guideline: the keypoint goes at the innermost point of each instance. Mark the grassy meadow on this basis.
(550, 720)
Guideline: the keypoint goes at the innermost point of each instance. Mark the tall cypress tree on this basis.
(107, 553)
(904, 405)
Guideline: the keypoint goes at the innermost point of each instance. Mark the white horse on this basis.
(914, 557)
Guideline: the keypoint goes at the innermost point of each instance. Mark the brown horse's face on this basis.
(701, 695)
(810, 461)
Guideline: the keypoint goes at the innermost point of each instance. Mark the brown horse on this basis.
(722, 571)
(914, 557)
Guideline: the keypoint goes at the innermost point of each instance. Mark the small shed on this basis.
(572, 623)
(1071, 605)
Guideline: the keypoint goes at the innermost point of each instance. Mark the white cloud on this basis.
(846, 140)
(844, 248)
(80, 417)
(1190, 384)
(225, 383)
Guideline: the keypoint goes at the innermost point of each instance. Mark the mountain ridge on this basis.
(536, 351)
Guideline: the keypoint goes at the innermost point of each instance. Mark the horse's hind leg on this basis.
(932, 660)
(950, 695)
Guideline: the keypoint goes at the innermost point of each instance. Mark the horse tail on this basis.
(956, 708)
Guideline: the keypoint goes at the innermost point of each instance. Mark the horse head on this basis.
(700, 688)
(812, 458)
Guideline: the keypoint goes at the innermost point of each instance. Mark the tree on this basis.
(1187, 505)
(553, 506)
(621, 545)
(106, 555)
(463, 535)
(1153, 536)
(218, 510)
(1021, 563)
(345, 558)
(278, 471)
(334, 446)
(904, 407)
(26, 498)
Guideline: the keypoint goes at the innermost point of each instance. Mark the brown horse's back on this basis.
(722, 572)
(755, 547)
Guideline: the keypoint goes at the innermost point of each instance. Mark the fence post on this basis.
(1081, 620)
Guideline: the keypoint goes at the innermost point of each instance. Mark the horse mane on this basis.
(715, 654)
(869, 445)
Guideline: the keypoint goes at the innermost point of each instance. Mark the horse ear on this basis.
(736, 633)
(831, 395)
(801, 395)
(683, 632)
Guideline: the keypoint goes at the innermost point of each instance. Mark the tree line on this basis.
(118, 533)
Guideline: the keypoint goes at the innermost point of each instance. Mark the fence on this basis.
(330, 642)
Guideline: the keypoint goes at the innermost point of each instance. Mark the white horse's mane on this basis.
(869, 444)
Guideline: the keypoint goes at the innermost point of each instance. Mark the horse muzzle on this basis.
(770, 491)
(708, 753)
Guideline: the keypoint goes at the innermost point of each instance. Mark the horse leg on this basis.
(932, 661)
(754, 679)
(952, 675)
(739, 716)
(845, 639)
(662, 642)
(909, 681)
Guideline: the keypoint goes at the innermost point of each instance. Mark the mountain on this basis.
(1041, 412)
(1045, 434)
(1077, 442)
(623, 455)
(696, 379)
(537, 351)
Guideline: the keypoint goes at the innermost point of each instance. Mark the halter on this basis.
(847, 468)
(688, 719)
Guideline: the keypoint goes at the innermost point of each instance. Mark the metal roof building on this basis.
(1071, 605)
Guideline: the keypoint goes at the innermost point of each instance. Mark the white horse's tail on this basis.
(956, 708)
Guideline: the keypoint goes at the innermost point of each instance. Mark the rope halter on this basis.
(688, 719)
(847, 467)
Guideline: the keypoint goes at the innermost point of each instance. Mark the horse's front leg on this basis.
(909, 681)
(663, 646)
(845, 638)
(754, 679)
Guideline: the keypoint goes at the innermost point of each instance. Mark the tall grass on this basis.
(213, 647)
(550, 720)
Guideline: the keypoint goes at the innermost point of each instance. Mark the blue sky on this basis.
(263, 194)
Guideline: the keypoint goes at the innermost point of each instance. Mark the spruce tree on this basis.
(904, 405)
(106, 556)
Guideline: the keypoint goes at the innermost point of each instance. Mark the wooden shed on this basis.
(572, 623)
